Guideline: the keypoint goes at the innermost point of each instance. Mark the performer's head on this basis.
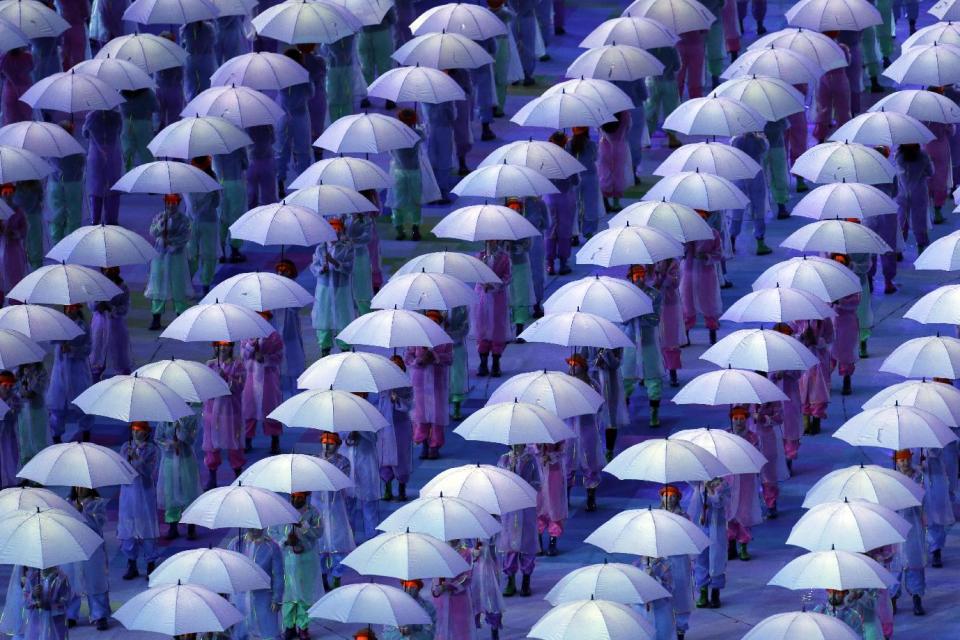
(669, 496)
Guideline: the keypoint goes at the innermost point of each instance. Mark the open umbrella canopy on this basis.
(713, 116)
(17, 349)
(497, 491)
(576, 329)
(329, 410)
(943, 254)
(353, 173)
(263, 71)
(612, 298)
(927, 357)
(406, 556)
(170, 11)
(482, 222)
(34, 19)
(840, 570)
(612, 581)
(871, 483)
(45, 538)
(423, 291)
(551, 160)
(826, 279)
(948, 10)
(292, 473)
(833, 15)
(561, 111)
(562, 394)
(118, 74)
(591, 620)
(366, 133)
(801, 625)
(64, 284)
(926, 106)
(442, 51)
(45, 139)
(473, 21)
(895, 428)
(513, 423)
(394, 329)
(39, 323)
(848, 200)
(17, 165)
(239, 507)
(932, 65)
(645, 33)
(680, 16)
(844, 162)
(461, 266)
(443, 518)
(760, 350)
(883, 128)
(281, 223)
(192, 381)
(331, 200)
(241, 106)
(703, 191)
(298, 22)
(165, 176)
(132, 398)
(678, 221)
(836, 236)
(260, 291)
(103, 246)
(666, 461)
(354, 372)
(71, 92)
(716, 158)
(778, 304)
(197, 136)
(733, 452)
(940, 306)
(628, 245)
(729, 386)
(369, 12)
(939, 398)
(78, 464)
(776, 62)
(217, 322)
(604, 92)
(176, 610)
(655, 533)
(219, 570)
(815, 46)
(370, 603)
(504, 181)
(14, 499)
(149, 52)
(416, 84)
(11, 37)
(858, 526)
(615, 62)
(771, 97)
(941, 32)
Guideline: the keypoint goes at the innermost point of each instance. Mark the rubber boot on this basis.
(733, 244)
(680, 635)
(913, 26)
(173, 531)
(456, 410)
(790, 466)
(863, 348)
(782, 213)
(761, 31)
(918, 606)
(483, 370)
(936, 559)
(102, 624)
(424, 450)
(714, 598)
(552, 547)
(610, 436)
(365, 103)
(518, 327)
(237, 471)
(893, 604)
(807, 426)
(731, 549)
(211, 480)
(487, 133)
(495, 371)
(525, 590)
(733, 55)
(281, 189)
(463, 169)
(415, 233)
(401, 234)
(714, 81)
(387, 491)
(151, 566)
(132, 571)
(155, 323)
(191, 532)
(389, 105)
(654, 414)
(762, 248)
(815, 423)
(703, 601)
(510, 589)
(541, 550)
(326, 583)
(772, 512)
(85, 435)
(938, 216)
(847, 388)
(744, 555)
(875, 86)
(674, 382)
(673, 142)
(433, 453)
(591, 500)
(801, 185)
(290, 634)
(274, 445)
(713, 336)
(889, 287)
(564, 268)
(575, 241)
(402, 492)
(247, 445)
(57, 439)
(336, 582)
(494, 634)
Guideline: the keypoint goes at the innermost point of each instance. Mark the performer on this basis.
(816, 335)
(261, 174)
(110, 338)
(361, 228)
(462, 133)
(767, 423)
(584, 453)
(287, 323)
(169, 276)
(838, 606)
(659, 612)
(13, 230)
(137, 526)
(758, 147)
(562, 210)
(203, 246)
(29, 197)
(452, 603)
(833, 95)
(137, 112)
(262, 358)
(552, 510)
(199, 39)
(430, 374)
(16, 69)
(914, 171)
(333, 307)
(316, 66)
(489, 319)
(912, 559)
(69, 377)
(65, 191)
(614, 164)
(74, 39)
(104, 163)
(222, 416)
(259, 607)
(365, 473)
(395, 443)
(9, 444)
(33, 433)
(692, 48)
(294, 129)
(46, 593)
(744, 495)
(298, 542)
(663, 96)
(681, 569)
(339, 57)
(587, 190)
(179, 482)
(517, 543)
(170, 89)
(230, 41)
(644, 330)
(336, 536)
(457, 326)
(525, 33)
(708, 510)
(90, 578)
(937, 503)
(700, 281)
(485, 590)
(404, 197)
(789, 383)
(938, 150)
(440, 143)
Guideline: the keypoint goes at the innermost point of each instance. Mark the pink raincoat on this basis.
(490, 316)
(667, 279)
(843, 351)
(262, 358)
(700, 282)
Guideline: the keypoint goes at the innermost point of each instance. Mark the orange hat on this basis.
(943, 380)
(853, 220)
(329, 437)
(202, 162)
(407, 117)
(516, 204)
(411, 583)
(398, 360)
(436, 316)
(841, 258)
(364, 634)
(266, 314)
(140, 425)
(669, 490)
(579, 131)
(739, 411)
(222, 343)
(637, 272)
(784, 328)
(903, 454)
(702, 213)
(70, 308)
(172, 198)
(285, 266)
(577, 360)
(7, 189)
(7, 377)
(558, 138)
(337, 224)
(300, 494)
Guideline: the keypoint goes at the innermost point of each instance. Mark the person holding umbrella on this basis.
(69, 377)
(816, 335)
(457, 326)
(462, 132)
(662, 93)
(199, 39)
(262, 172)
(504, 58)
(204, 228)
(708, 509)
(584, 149)
(91, 577)
(645, 332)
(552, 508)
(262, 359)
(584, 453)
(362, 229)
(699, 281)
(336, 536)
(33, 432)
(833, 95)
(46, 593)
(179, 476)
(298, 542)
(316, 66)
(681, 569)
(170, 89)
(260, 607)
(789, 383)
(486, 594)
(937, 504)
(517, 543)
(768, 428)
(16, 67)
(797, 134)
(137, 527)
(365, 474)
(441, 118)
(843, 351)
(375, 44)
(490, 317)
(407, 190)
(137, 112)
(666, 279)
(29, 198)
(231, 40)
(339, 56)
(395, 442)
(287, 323)
(13, 230)
(169, 276)
(744, 497)
(104, 164)
(452, 603)
(65, 191)
(109, 336)
(525, 33)
(914, 172)
(9, 445)
(757, 146)
(886, 227)
(535, 211)
(839, 606)
(414, 632)
(614, 163)
(938, 150)
(229, 169)
(561, 212)
(222, 416)
(912, 558)
(430, 373)
(334, 307)
(294, 127)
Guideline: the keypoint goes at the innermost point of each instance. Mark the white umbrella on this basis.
(353, 173)
(836, 236)
(393, 329)
(282, 224)
(844, 162)
(370, 603)
(293, 473)
(459, 265)
(45, 139)
(760, 350)
(241, 106)
(934, 65)
(369, 12)
(801, 625)
(895, 428)
(260, 292)
(43, 539)
(777, 62)
(716, 158)
(841, 570)
(666, 461)
(576, 329)
(771, 97)
(844, 200)
(103, 246)
(64, 284)
(406, 556)
(217, 322)
(497, 491)
(11, 37)
(504, 181)
(17, 349)
(416, 84)
(551, 160)
(192, 381)
(615, 62)
(442, 51)
(713, 116)
(619, 246)
(883, 128)
(938, 398)
(645, 33)
(478, 223)
(219, 570)
(928, 357)
(17, 165)
(613, 581)
(34, 19)
(678, 221)
(239, 507)
(118, 74)
(177, 609)
(591, 620)
(947, 10)
(943, 254)
(197, 136)
(170, 11)
(604, 92)
(858, 526)
(38, 323)
(923, 105)
(355, 372)
(263, 71)
(470, 20)
(729, 386)
(826, 279)
(149, 52)
(680, 16)
(297, 22)
(778, 304)
(733, 452)
(815, 46)
(234, 7)
(562, 110)
(937, 307)
(871, 483)
(941, 32)
(329, 410)
(557, 392)
(366, 133)
(514, 422)
(71, 92)
(331, 200)
(612, 298)
(698, 191)
(132, 398)
(165, 176)
(78, 464)
(14, 499)
(423, 291)
(833, 15)
(443, 518)
(655, 533)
